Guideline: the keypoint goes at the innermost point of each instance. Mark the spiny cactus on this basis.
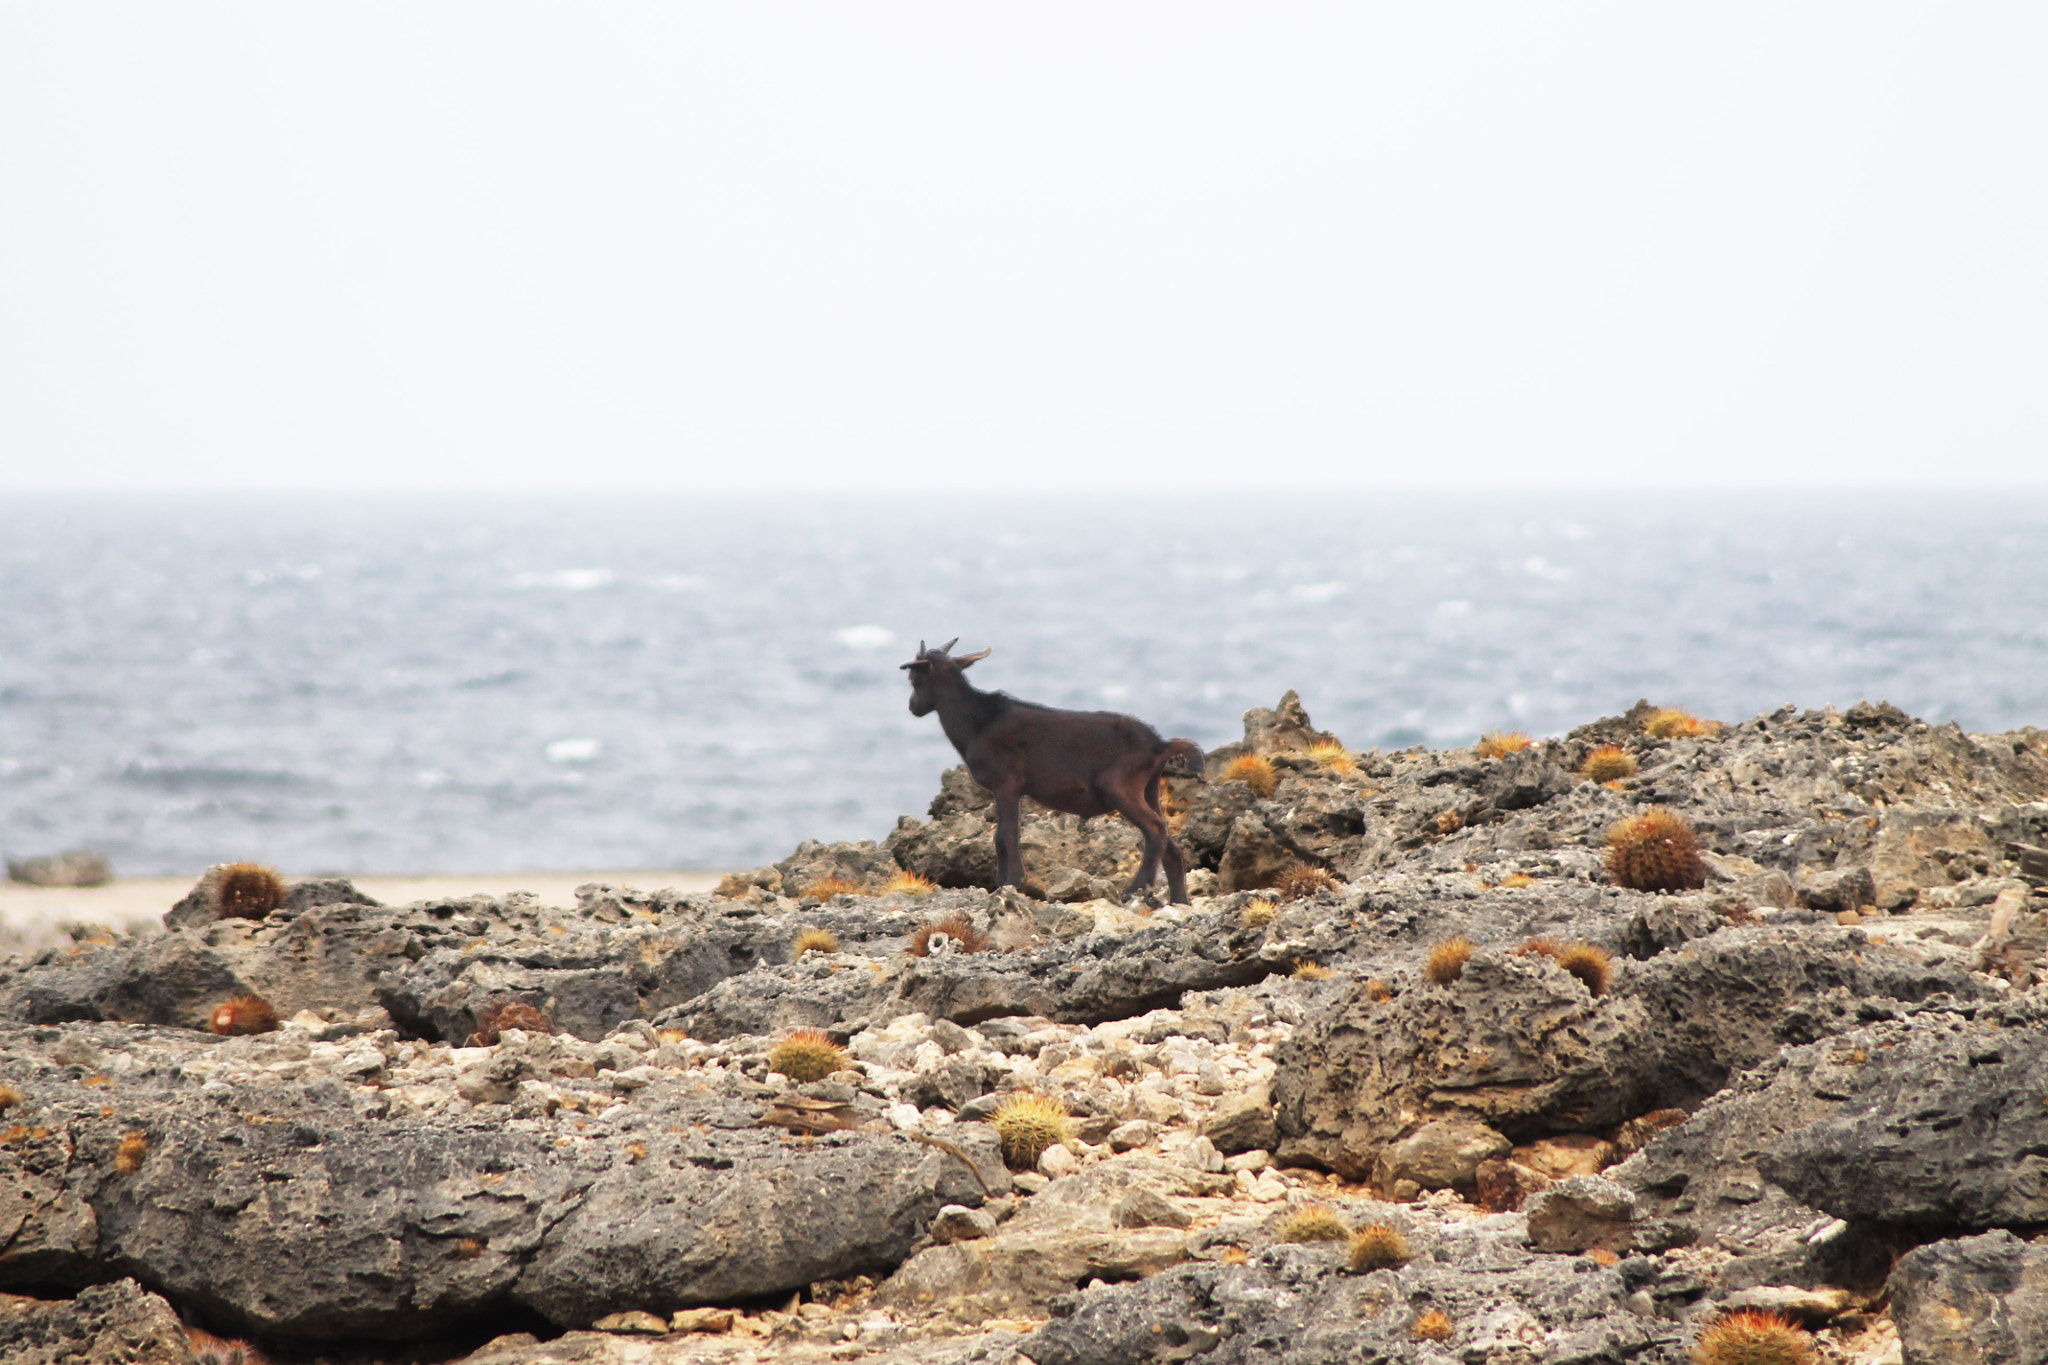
(1671, 723)
(1379, 1247)
(9, 1097)
(243, 1015)
(1655, 850)
(248, 890)
(1028, 1123)
(1333, 756)
(1378, 991)
(1434, 1325)
(513, 1014)
(1446, 961)
(957, 927)
(1301, 881)
(1501, 743)
(807, 1055)
(1515, 881)
(814, 941)
(1314, 1223)
(1311, 971)
(1753, 1337)
(826, 887)
(908, 883)
(1449, 822)
(1259, 914)
(1255, 771)
(209, 1349)
(128, 1156)
(1588, 962)
(1608, 763)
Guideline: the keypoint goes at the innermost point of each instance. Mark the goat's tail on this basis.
(1183, 756)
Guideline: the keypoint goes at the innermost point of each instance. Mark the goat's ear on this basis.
(968, 660)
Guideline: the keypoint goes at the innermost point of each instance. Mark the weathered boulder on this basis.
(73, 867)
(1940, 1125)
(106, 1323)
(1521, 1046)
(1298, 1304)
(1116, 1220)
(1974, 1301)
(252, 1179)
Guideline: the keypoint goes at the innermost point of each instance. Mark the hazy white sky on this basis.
(589, 246)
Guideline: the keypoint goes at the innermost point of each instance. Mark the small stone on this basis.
(1203, 1156)
(1056, 1161)
(1128, 1137)
(1030, 1182)
(1210, 1080)
(634, 1322)
(1580, 1214)
(1268, 1190)
(1143, 1208)
(958, 1223)
(702, 1320)
(1254, 1161)
(904, 1118)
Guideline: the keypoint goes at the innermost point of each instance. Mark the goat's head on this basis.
(929, 667)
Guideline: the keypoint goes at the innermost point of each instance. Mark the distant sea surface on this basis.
(477, 684)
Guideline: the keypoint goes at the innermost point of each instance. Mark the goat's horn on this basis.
(947, 648)
(920, 649)
(966, 659)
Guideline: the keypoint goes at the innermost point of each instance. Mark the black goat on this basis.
(1086, 763)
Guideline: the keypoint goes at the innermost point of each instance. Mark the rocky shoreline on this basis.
(1817, 1085)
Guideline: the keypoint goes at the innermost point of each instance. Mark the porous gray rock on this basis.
(1943, 1124)
(1520, 1045)
(1440, 1155)
(73, 867)
(307, 1208)
(1979, 1300)
(119, 1321)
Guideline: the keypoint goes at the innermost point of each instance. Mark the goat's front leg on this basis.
(1009, 857)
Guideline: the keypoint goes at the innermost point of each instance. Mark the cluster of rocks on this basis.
(1818, 1085)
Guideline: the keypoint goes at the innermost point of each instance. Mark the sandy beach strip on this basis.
(31, 916)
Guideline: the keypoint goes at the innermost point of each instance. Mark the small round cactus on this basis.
(243, 1015)
(133, 1148)
(1590, 964)
(1259, 914)
(1671, 723)
(1753, 1337)
(1301, 881)
(1333, 756)
(248, 890)
(1655, 850)
(1434, 1325)
(1255, 771)
(908, 883)
(1307, 970)
(1379, 1247)
(1446, 961)
(1608, 763)
(825, 888)
(1501, 743)
(814, 941)
(807, 1055)
(1028, 1123)
(1314, 1223)
(957, 927)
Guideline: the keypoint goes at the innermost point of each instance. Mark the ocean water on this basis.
(474, 684)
